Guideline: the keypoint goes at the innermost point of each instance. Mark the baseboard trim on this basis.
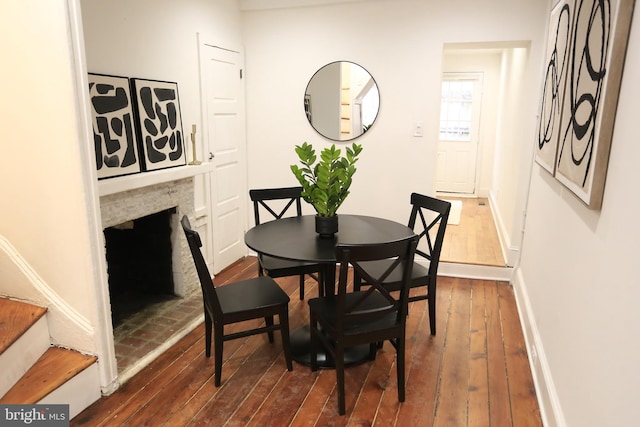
(510, 253)
(550, 408)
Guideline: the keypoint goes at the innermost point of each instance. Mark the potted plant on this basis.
(325, 185)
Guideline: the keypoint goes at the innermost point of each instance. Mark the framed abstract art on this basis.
(553, 84)
(114, 135)
(581, 91)
(160, 133)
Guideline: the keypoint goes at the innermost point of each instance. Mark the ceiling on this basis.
(246, 5)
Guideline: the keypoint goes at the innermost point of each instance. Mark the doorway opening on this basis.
(498, 157)
(460, 104)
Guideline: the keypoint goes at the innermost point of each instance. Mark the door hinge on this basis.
(240, 73)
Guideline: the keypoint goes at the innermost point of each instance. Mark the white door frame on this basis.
(476, 123)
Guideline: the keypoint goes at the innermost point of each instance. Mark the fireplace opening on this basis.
(139, 264)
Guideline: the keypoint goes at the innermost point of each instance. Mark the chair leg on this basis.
(283, 317)
(218, 343)
(400, 363)
(340, 378)
(208, 327)
(373, 347)
(301, 287)
(268, 320)
(321, 283)
(431, 302)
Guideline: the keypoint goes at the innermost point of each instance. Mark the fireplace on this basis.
(148, 258)
(139, 262)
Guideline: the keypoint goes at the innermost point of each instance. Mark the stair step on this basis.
(24, 337)
(55, 367)
(17, 317)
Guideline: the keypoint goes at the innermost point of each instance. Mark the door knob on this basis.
(211, 155)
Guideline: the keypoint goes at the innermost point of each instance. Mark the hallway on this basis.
(474, 240)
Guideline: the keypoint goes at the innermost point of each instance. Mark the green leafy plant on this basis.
(325, 185)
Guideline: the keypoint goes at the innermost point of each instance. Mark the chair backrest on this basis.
(209, 293)
(288, 197)
(400, 252)
(433, 214)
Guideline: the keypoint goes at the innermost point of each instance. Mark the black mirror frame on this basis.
(308, 104)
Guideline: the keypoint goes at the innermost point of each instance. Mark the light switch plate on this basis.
(418, 129)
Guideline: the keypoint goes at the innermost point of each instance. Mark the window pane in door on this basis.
(455, 110)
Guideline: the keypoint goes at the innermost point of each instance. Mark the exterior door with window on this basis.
(459, 125)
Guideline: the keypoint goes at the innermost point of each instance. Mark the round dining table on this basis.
(295, 239)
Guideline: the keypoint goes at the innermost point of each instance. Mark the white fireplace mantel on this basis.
(144, 179)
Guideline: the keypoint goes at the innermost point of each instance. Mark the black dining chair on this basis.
(433, 215)
(251, 299)
(351, 319)
(280, 203)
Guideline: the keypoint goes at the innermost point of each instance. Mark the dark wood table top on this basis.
(295, 238)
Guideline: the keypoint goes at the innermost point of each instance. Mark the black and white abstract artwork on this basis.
(160, 124)
(558, 44)
(114, 134)
(579, 105)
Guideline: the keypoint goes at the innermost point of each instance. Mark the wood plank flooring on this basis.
(475, 239)
(474, 372)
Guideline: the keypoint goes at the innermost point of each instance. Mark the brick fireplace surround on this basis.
(125, 206)
(137, 337)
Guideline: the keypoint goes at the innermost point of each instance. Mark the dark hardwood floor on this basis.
(474, 372)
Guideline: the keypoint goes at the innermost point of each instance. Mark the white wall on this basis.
(47, 208)
(578, 274)
(514, 146)
(400, 43)
(158, 39)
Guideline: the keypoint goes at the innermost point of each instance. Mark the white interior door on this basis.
(459, 124)
(225, 145)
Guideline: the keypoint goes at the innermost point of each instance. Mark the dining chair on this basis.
(256, 298)
(277, 203)
(433, 215)
(372, 316)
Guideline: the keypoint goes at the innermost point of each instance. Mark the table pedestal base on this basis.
(300, 351)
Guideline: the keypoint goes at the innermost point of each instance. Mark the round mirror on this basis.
(341, 101)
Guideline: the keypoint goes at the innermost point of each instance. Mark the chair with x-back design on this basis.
(281, 203)
(433, 215)
(371, 316)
